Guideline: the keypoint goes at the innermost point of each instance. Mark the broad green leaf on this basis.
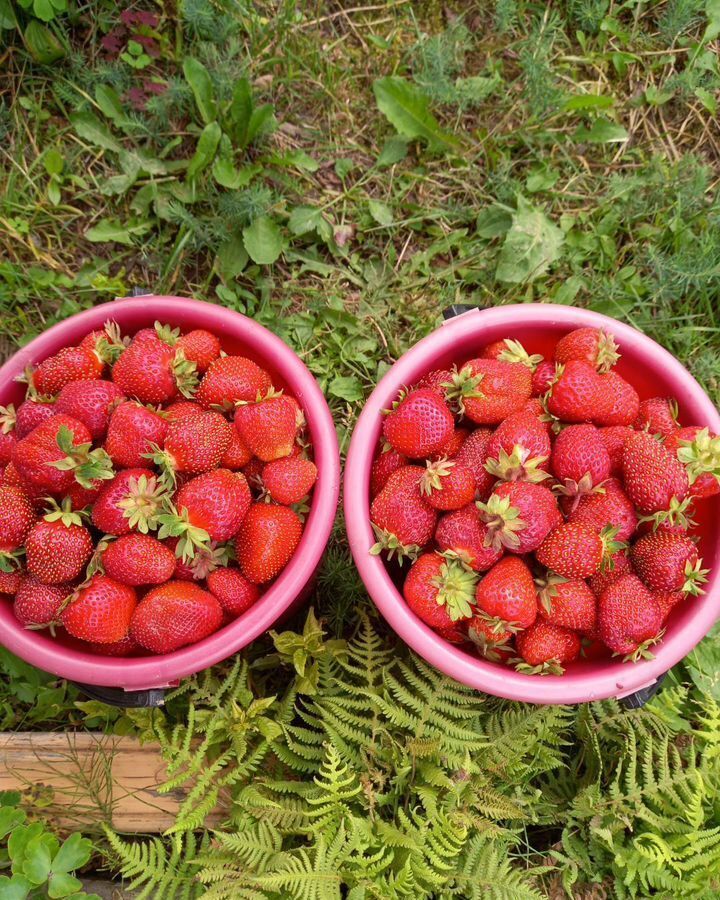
(110, 230)
(36, 865)
(10, 818)
(541, 179)
(44, 46)
(380, 212)
(407, 108)
(240, 111)
(493, 221)
(263, 240)
(602, 131)
(261, 121)
(394, 151)
(63, 885)
(15, 888)
(108, 99)
(198, 77)
(232, 257)
(347, 387)
(74, 853)
(205, 150)
(530, 246)
(303, 219)
(656, 96)
(8, 19)
(708, 100)
(712, 11)
(53, 161)
(588, 101)
(91, 129)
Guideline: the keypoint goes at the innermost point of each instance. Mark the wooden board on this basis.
(82, 779)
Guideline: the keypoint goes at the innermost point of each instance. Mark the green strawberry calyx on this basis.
(8, 418)
(456, 589)
(577, 489)
(676, 515)
(549, 667)
(695, 575)
(111, 345)
(185, 372)
(607, 352)
(494, 651)
(465, 385)
(516, 353)
(642, 650)
(437, 470)
(192, 538)
(207, 559)
(95, 566)
(503, 521)
(517, 466)
(499, 625)
(64, 513)
(166, 463)
(167, 333)
(143, 503)
(610, 547)
(10, 560)
(547, 589)
(391, 544)
(88, 465)
(701, 456)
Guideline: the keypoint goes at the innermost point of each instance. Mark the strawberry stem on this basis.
(191, 537)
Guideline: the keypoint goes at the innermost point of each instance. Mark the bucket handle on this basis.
(121, 699)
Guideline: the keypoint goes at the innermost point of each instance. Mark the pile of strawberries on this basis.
(150, 488)
(547, 511)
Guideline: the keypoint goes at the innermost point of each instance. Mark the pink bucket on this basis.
(654, 372)
(239, 335)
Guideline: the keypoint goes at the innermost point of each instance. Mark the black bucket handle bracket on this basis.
(638, 699)
(121, 699)
(457, 309)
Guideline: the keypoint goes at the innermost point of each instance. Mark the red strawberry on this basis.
(69, 364)
(668, 562)
(210, 507)
(624, 401)
(402, 520)
(580, 461)
(90, 402)
(507, 593)
(447, 484)
(420, 424)
(269, 426)
(473, 454)
(652, 474)
(577, 551)
(439, 381)
(194, 444)
(107, 344)
(8, 434)
(489, 390)
(56, 453)
(439, 591)
(151, 371)
(124, 647)
(180, 409)
(543, 378)
(576, 393)
(132, 501)
(568, 603)
(231, 379)
(290, 479)
(37, 604)
(594, 346)
(233, 591)
(609, 507)
(490, 637)
(546, 648)
(621, 565)
(519, 449)
(11, 581)
(629, 618)
(699, 451)
(16, 519)
(100, 611)
(201, 347)
(174, 615)
(132, 432)
(668, 601)
(266, 541)
(382, 468)
(453, 445)
(80, 496)
(58, 547)
(614, 437)
(657, 415)
(237, 454)
(253, 473)
(32, 413)
(509, 350)
(519, 515)
(463, 534)
(137, 559)
(36, 495)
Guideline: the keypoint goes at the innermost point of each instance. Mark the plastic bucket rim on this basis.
(619, 679)
(137, 673)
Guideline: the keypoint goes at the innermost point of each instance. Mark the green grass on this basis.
(345, 212)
